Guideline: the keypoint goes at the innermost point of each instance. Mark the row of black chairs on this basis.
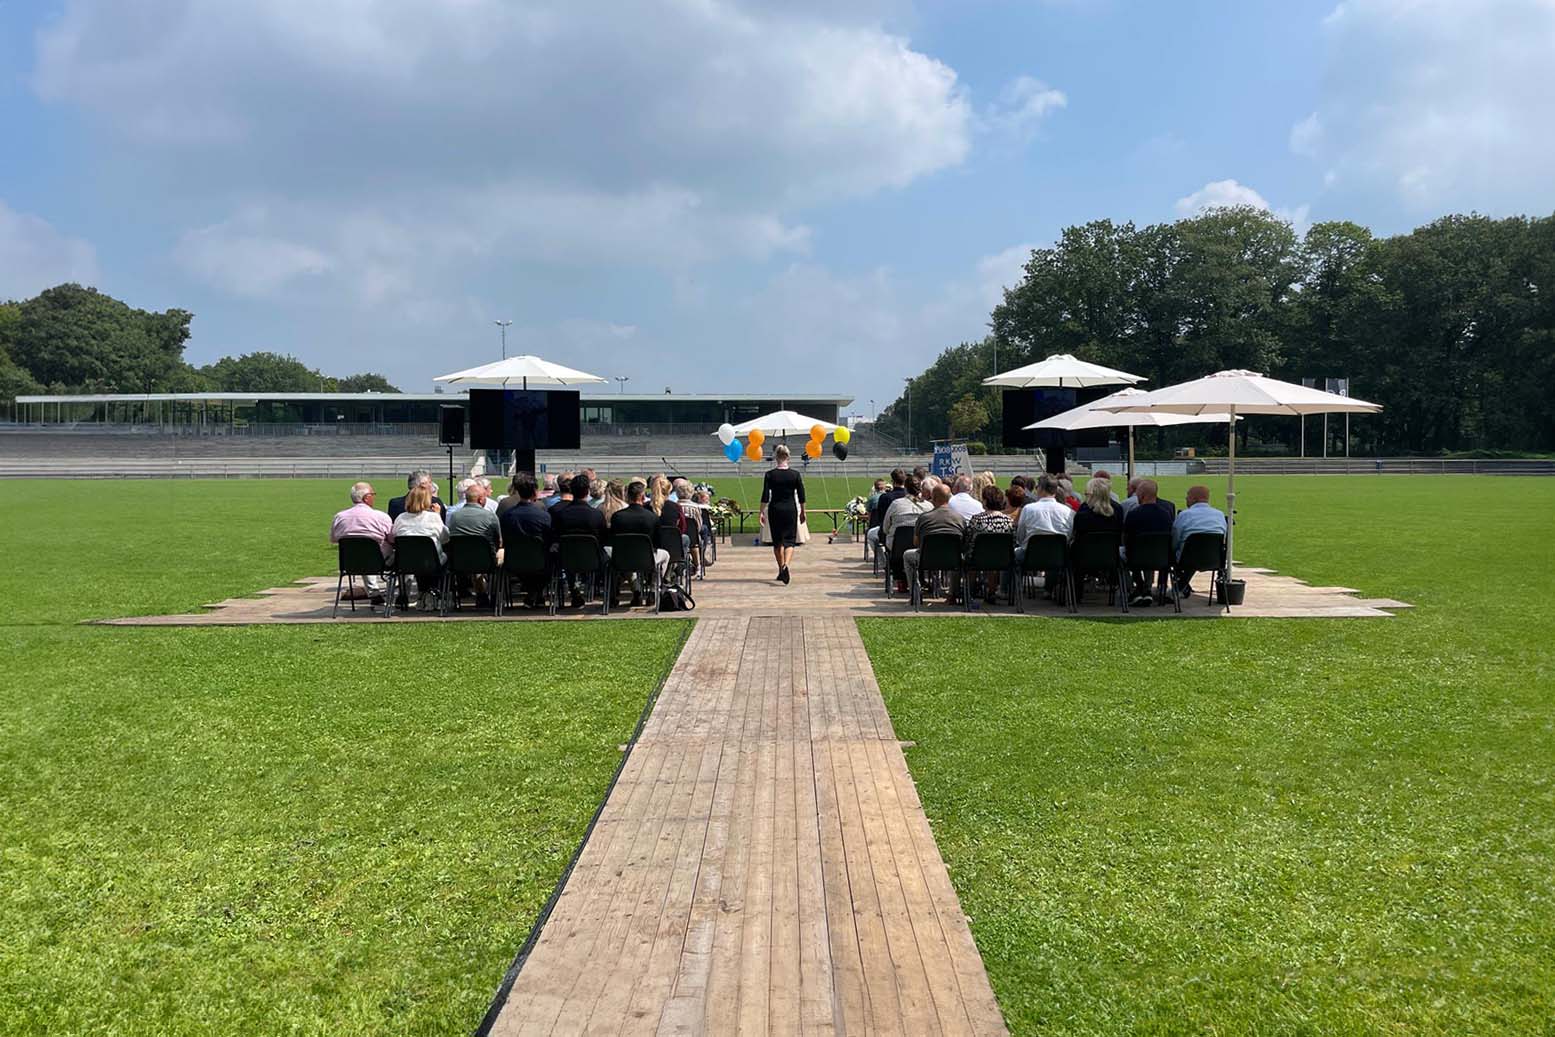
(1067, 565)
(526, 562)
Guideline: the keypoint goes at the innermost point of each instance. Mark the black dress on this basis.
(782, 491)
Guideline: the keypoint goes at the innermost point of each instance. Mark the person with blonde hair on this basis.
(980, 482)
(782, 509)
(422, 519)
(614, 498)
(1098, 514)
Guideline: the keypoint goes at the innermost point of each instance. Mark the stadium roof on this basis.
(601, 396)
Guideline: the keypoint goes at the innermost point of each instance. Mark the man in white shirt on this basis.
(961, 500)
(488, 502)
(1044, 515)
(461, 495)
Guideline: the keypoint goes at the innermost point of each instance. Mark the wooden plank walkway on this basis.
(763, 864)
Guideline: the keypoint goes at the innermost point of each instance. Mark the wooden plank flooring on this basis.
(762, 866)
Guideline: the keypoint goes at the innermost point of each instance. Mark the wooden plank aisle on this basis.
(763, 865)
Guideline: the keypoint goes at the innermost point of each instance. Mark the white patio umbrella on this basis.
(521, 371)
(1094, 415)
(1234, 393)
(1064, 372)
(782, 423)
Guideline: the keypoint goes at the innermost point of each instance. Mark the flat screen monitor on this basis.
(1023, 407)
(520, 419)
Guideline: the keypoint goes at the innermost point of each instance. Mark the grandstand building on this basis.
(372, 413)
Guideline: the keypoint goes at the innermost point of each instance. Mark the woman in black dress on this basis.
(782, 508)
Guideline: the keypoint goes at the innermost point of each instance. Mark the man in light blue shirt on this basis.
(1198, 517)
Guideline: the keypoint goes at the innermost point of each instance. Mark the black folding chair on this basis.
(633, 554)
(1151, 554)
(413, 556)
(1203, 553)
(939, 553)
(578, 555)
(678, 572)
(1098, 553)
(359, 556)
(989, 553)
(468, 555)
(901, 540)
(526, 560)
(1045, 553)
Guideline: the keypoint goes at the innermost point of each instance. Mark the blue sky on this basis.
(707, 195)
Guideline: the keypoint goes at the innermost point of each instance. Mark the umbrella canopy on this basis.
(1244, 392)
(1096, 415)
(782, 423)
(1093, 415)
(1062, 371)
(524, 371)
(1240, 392)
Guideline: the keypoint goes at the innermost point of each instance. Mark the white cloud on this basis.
(34, 256)
(240, 256)
(1023, 104)
(1441, 104)
(1222, 194)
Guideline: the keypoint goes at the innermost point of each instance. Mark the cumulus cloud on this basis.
(1438, 103)
(34, 256)
(1222, 194)
(396, 146)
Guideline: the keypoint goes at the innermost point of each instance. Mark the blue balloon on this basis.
(734, 451)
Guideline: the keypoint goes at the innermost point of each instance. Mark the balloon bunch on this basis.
(754, 439)
(733, 448)
(840, 437)
(812, 449)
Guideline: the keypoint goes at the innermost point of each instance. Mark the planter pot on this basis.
(1235, 591)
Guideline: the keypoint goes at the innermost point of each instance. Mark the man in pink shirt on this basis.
(361, 520)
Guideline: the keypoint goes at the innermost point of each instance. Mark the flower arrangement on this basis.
(857, 508)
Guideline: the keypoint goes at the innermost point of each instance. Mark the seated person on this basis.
(1098, 512)
(1044, 515)
(361, 519)
(940, 518)
(904, 510)
(992, 519)
(1148, 515)
(419, 519)
(637, 517)
(874, 496)
(576, 517)
(881, 505)
(690, 520)
(1198, 517)
(961, 500)
(474, 520)
(416, 478)
(461, 497)
(525, 516)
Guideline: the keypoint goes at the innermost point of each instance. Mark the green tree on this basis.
(967, 416)
(365, 382)
(80, 338)
(265, 372)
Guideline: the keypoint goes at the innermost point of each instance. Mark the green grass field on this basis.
(1259, 826)
(274, 830)
(1265, 826)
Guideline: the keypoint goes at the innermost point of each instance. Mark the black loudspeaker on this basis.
(450, 425)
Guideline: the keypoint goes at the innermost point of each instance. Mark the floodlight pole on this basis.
(504, 324)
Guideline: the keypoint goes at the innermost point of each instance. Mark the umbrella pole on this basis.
(1225, 587)
(1131, 453)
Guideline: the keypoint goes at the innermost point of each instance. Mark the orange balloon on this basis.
(817, 433)
(756, 437)
(812, 449)
(753, 451)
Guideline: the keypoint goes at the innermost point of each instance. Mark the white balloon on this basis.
(726, 433)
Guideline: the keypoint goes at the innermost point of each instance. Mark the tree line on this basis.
(70, 339)
(1450, 327)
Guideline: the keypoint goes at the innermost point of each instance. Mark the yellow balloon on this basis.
(842, 434)
(817, 433)
(756, 437)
